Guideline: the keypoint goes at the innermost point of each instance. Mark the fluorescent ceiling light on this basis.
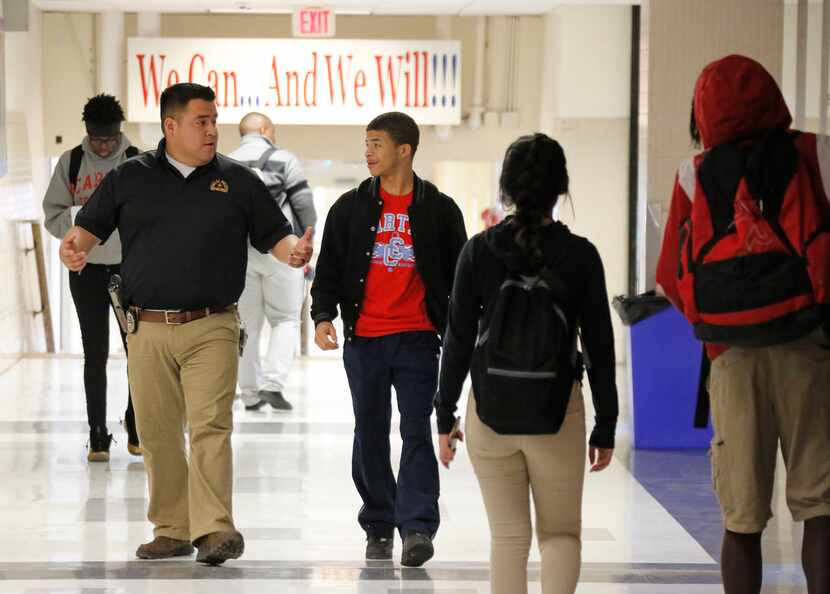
(250, 10)
(349, 12)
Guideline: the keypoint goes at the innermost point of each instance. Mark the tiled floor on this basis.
(72, 528)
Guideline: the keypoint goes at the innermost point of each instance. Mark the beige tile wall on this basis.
(684, 36)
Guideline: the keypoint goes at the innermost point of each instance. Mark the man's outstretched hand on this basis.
(302, 252)
(71, 254)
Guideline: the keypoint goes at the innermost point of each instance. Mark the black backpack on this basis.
(77, 155)
(525, 357)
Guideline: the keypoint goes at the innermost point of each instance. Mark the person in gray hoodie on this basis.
(78, 173)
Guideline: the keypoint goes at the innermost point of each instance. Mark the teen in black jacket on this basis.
(387, 261)
(438, 234)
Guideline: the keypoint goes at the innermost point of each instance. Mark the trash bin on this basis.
(664, 370)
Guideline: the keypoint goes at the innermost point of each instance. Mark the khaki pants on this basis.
(552, 466)
(760, 397)
(185, 375)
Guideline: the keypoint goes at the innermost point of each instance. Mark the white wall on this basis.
(592, 82)
(586, 108)
(25, 179)
(472, 184)
(814, 18)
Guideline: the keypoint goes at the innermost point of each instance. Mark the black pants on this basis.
(409, 362)
(92, 302)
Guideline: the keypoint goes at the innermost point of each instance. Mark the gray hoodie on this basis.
(60, 205)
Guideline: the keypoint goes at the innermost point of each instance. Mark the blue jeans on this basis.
(409, 362)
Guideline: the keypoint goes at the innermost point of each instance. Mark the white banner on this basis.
(301, 81)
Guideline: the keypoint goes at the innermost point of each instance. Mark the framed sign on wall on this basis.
(302, 81)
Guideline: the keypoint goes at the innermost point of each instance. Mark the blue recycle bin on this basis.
(664, 374)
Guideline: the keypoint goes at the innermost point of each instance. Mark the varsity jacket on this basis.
(438, 234)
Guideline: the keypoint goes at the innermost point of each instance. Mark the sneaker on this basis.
(417, 549)
(163, 547)
(217, 547)
(99, 445)
(133, 445)
(275, 399)
(256, 406)
(379, 548)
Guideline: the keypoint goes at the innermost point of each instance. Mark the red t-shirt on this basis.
(395, 298)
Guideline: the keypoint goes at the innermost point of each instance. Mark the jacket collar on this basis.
(418, 188)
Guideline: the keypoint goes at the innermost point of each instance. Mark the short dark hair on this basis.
(401, 127)
(103, 109)
(176, 97)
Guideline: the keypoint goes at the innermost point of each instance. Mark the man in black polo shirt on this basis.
(185, 215)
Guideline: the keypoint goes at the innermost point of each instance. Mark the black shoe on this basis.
(379, 548)
(133, 445)
(275, 399)
(417, 549)
(99, 445)
(256, 406)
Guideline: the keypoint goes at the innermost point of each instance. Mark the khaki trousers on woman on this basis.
(551, 467)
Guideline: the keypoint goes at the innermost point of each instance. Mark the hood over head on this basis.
(735, 99)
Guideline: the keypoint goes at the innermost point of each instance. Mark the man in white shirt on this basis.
(273, 290)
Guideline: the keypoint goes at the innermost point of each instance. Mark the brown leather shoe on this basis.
(217, 547)
(163, 547)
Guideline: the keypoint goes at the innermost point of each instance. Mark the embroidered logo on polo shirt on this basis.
(219, 185)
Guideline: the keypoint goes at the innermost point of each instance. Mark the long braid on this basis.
(533, 177)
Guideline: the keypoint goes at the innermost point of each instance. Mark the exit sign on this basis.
(313, 22)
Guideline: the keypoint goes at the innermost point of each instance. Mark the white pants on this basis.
(274, 292)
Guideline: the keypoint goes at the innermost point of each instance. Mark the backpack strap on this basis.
(557, 285)
(263, 159)
(75, 158)
(770, 167)
(702, 406)
(554, 281)
(720, 173)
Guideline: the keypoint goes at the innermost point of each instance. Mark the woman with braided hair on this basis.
(548, 457)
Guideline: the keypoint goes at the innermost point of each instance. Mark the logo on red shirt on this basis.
(396, 253)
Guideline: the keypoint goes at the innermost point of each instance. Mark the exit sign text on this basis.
(313, 22)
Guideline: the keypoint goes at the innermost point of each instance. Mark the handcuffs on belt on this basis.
(243, 334)
(132, 319)
(127, 317)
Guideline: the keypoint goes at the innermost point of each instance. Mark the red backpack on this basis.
(755, 252)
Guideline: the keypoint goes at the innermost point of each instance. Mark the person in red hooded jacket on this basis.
(765, 395)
